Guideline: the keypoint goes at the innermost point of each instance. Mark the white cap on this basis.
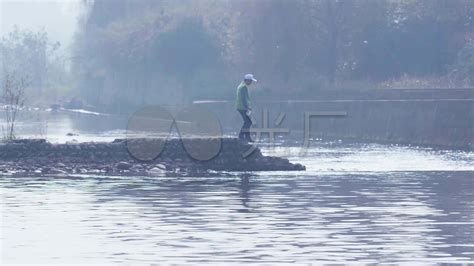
(250, 77)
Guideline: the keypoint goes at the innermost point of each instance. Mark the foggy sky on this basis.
(57, 17)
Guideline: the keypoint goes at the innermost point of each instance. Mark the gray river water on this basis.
(366, 203)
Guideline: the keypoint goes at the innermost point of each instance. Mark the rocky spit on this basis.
(158, 157)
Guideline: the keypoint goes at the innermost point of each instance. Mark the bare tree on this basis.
(13, 98)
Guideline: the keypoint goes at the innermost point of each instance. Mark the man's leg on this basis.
(242, 133)
(246, 127)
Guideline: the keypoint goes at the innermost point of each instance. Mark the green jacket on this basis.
(242, 101)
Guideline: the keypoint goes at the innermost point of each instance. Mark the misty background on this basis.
(117, 55)
(57, 17)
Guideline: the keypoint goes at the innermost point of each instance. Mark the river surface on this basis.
(366, 203)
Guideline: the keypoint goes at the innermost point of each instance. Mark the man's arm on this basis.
(245, 98)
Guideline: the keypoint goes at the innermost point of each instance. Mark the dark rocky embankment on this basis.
(39, 157)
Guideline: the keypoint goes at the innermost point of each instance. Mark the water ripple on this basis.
(381, 217)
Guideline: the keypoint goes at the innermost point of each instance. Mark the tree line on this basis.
(135, 52)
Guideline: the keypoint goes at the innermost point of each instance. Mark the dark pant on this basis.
(244, 133)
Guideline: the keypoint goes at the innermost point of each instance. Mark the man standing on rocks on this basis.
(242, 104)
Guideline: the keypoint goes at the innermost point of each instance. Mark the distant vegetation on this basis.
(134, 52)
(13, 97)
(25, 53)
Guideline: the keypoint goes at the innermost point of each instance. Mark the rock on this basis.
(123, 166)
(156, 171)
(81, 170)
(160, 166)
(56, 171)
(45, 170)
(299, 167)
(111, 157)
(137, 168)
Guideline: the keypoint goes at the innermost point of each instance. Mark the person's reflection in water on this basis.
(244, 192)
